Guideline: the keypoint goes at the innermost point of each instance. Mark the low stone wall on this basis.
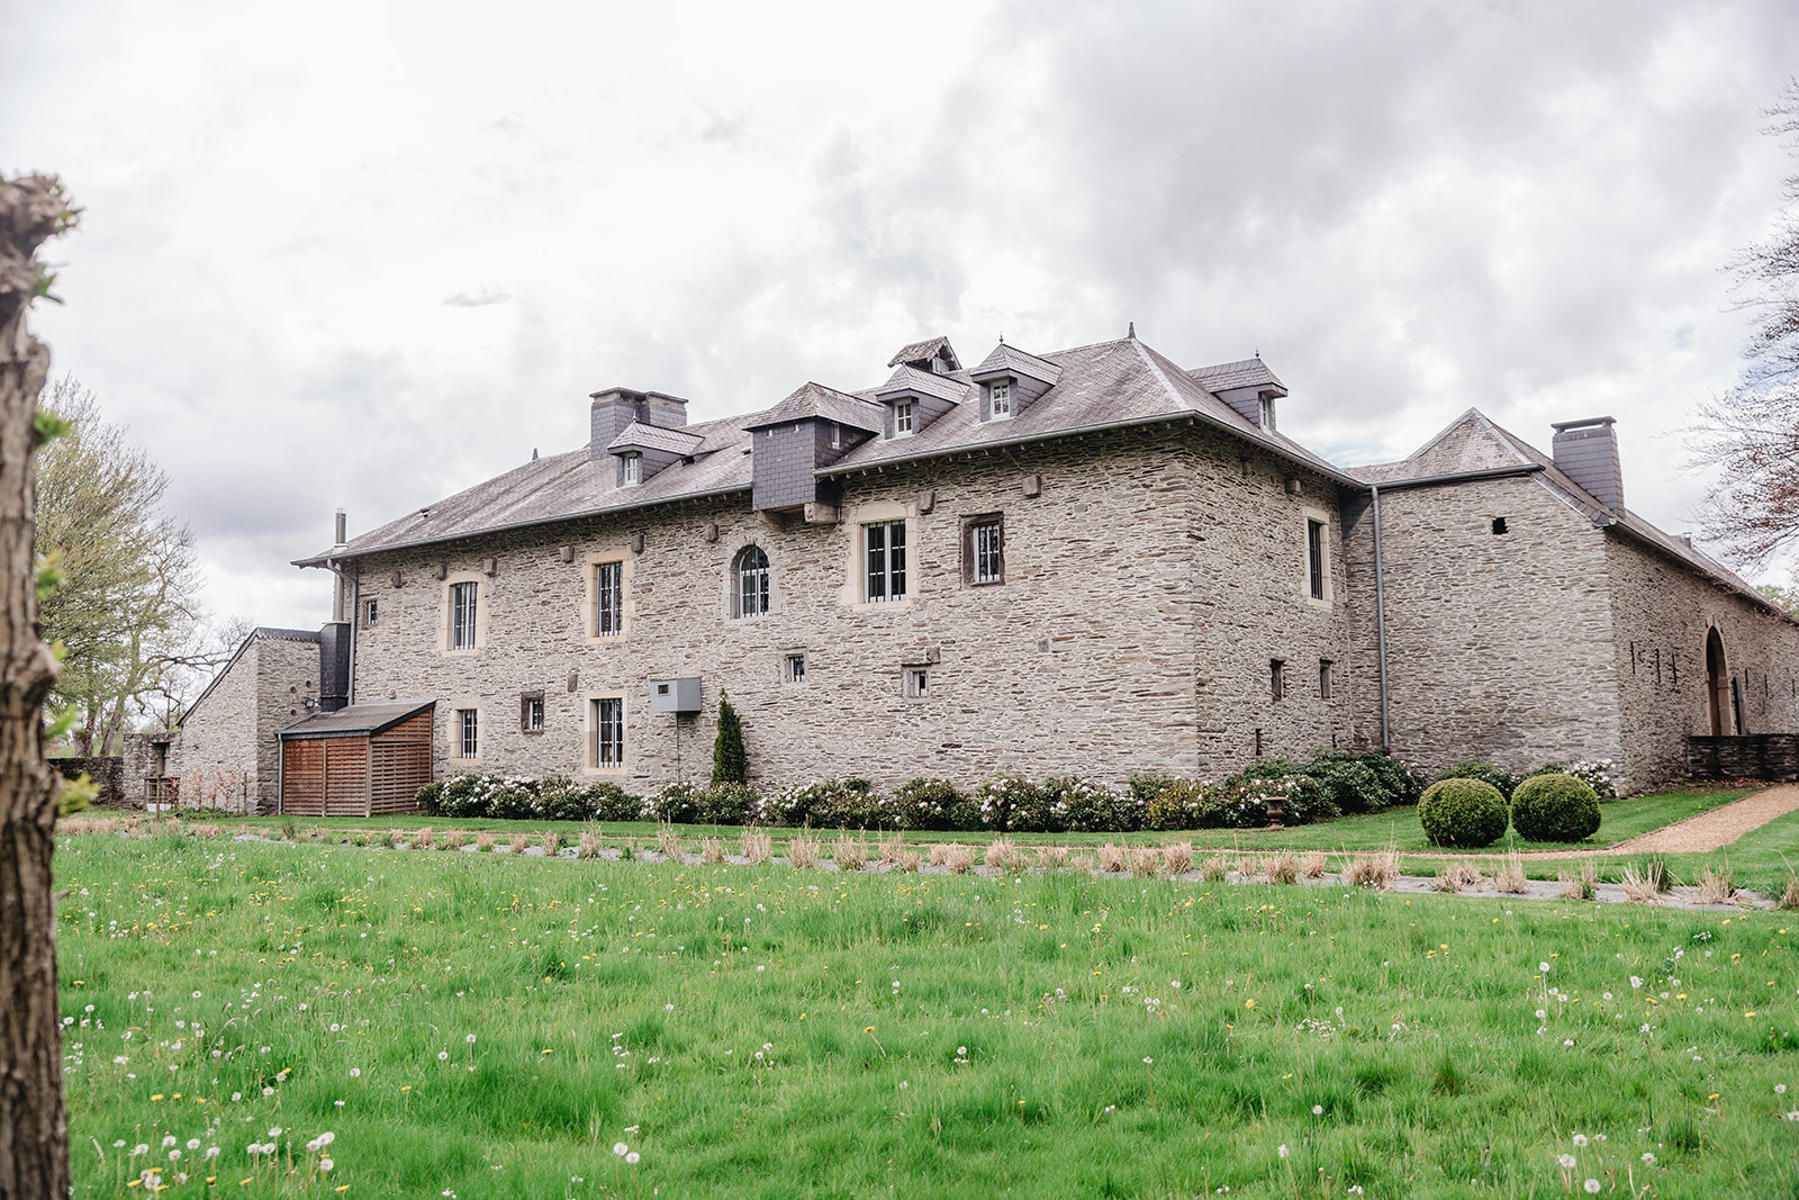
(107, 772)
(1752, 756)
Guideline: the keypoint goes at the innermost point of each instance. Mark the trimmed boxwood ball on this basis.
(1462, 812)
(1555, 808)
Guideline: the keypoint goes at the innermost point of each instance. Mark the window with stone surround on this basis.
(606, 732)
(793, 667)
(884, 561)
(468, 733)
(1324, 678)
(1277, 678)
(530, 712)
(464, 609)
(1315, 558)
(749, 582)
(983, 549)
(608, 599)
(370, 610)
(918, 683)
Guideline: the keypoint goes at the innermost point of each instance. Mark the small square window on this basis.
(999, 400)
(793, 668)
(918, 682)
(1499, 525)
(1324, 678)
(1277, 678)
(530, 712)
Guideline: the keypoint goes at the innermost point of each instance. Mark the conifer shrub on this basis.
(1462, 812)
(729, 762)
(1555, 808)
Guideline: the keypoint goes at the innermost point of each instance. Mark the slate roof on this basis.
(817, 400)
(1010, 360)
(1245, 372)
(953, 388)
(355, 719)
(1104, 385)
(918, 351)
(639, 436)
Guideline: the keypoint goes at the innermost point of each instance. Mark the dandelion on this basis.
(1648, 1159)
(1148, 1061)
(1543, 968)
(1780, 1089)
(325, 1165)
(1317, 1110)
(1282, 1150)
(1580, 1140)
(620, 1149)
(1592, 1187)
(443, 1055)
(1565, 1161)
(631, 1158)
(470, 1039)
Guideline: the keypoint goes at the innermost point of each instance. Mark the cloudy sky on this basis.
(365, 255)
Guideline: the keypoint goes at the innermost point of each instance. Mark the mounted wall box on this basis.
(678, 696)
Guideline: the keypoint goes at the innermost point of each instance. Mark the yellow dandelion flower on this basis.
(1249, 1004)
(868, 1029)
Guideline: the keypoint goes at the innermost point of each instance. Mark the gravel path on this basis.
(1717, 828)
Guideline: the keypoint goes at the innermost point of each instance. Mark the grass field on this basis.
(474, 1026)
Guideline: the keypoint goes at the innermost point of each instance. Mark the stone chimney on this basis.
(615, 408)
(1587, 452)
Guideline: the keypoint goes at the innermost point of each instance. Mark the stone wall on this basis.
(1499, 646)
(1662, 612)
(225, 753)
(105, 771)
(1150, 576)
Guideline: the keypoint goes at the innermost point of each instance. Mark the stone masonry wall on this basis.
(1147, 586)
(1662, 612)
(214, 754)
(287, 674)
(1498, 645)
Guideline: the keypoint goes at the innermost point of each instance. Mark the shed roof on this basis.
(355, 720)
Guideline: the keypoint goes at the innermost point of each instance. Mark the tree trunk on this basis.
(34, 1130)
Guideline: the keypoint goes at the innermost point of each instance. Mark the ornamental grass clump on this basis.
(1462, 812)
(1214, 868)
(1177, 859)
(1642, 885)
(1581, 884)
(712, 851)
(958, 859)
(1555, 808)
(756, 845)
(803, 852)
(1376, 871)
(1006, 856)
(1715, 887)
(1312, 865)
(1052, 858)
(422, 839)
(1456, 876)
(1281, 868)
(518, 843)
(668, 842)
(588, 847)
(850, 853)
(552, 844)
(1509, 878)
(483, 842)
(1113, 858)
(1146, 861)
(453, 840)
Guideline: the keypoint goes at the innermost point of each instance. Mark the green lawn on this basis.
(489, 1027)
(1393, 829)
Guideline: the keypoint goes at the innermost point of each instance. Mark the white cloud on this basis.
(363, 256)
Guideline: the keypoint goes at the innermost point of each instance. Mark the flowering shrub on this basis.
(1083, 806)
(1007, 802)
(1364, 781)
(932, 804)
(730, 804)
(676, 802)
(843, 803)
(1180, 804)
(1247, 796)
(1599, 775)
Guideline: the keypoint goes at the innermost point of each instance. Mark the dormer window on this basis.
(903, 425)
(999, 399)
(632, 469)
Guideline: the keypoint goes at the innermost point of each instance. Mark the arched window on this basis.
(749, 582)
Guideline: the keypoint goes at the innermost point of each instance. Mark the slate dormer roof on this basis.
(639, 436)
(811, 400)
(1245, 372)
(1107, 385)
(912, 381)
(1010, 360)
(924, 351)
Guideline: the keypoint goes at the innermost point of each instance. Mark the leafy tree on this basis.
(1786, 599)
(1752, 431)
(729, 763)
(123, 612)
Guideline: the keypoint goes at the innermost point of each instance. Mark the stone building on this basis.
(223, 751)
(1091, 561)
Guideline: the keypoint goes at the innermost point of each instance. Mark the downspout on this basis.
(1380, 627)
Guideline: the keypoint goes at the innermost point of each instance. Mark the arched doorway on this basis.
(1717, 684)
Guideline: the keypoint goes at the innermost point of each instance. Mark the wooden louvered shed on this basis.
(358, 761)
